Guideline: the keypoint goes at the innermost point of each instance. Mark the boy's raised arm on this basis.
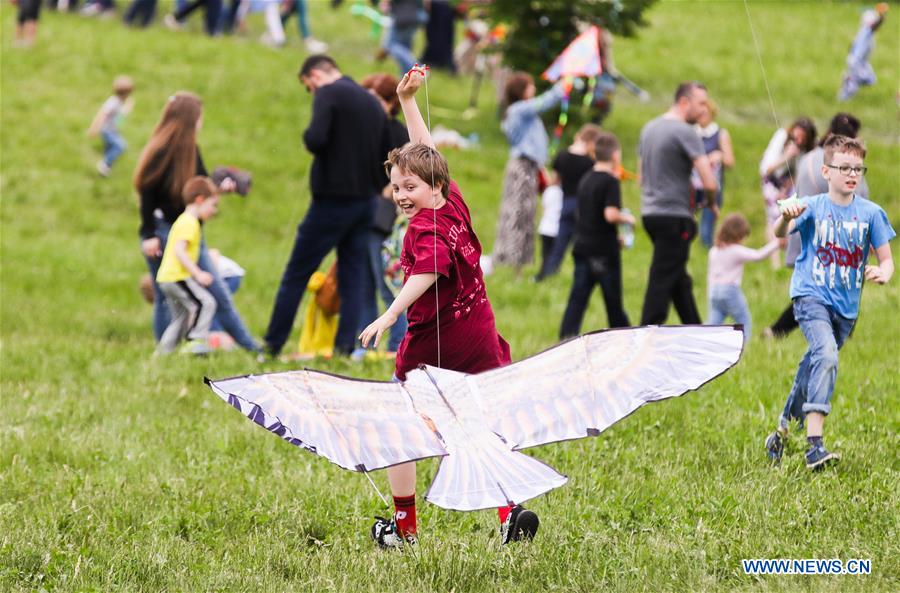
(406, 91)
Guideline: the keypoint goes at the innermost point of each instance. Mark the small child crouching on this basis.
(180, 278)
(726, 268)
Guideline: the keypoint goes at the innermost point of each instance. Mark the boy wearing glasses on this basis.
(837, 229)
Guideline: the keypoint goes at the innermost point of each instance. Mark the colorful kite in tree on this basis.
(479, 423)
(580, 59)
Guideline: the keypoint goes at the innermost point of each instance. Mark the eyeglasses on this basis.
(847, 169)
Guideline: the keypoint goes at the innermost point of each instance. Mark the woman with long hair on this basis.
(778, 169)
(169, 159)
(528, 142)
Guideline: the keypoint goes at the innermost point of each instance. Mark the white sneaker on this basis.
(315, 46)
(387, 536)
(103, 168)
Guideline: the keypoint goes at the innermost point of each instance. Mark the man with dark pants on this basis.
(669, 150)
(348, 137)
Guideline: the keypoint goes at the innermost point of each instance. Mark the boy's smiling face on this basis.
(844, 184)
(412, 193)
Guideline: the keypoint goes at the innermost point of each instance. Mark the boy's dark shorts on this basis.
(29, 10)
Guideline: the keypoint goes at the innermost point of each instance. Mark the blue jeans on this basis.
(113, 146)
(590, 271)
(298, 6)
(727, 300)
(826, 332)
(232, 283)
(161, 315)
(707, 220)
(554, 260)
(140, 12)
(399, 46)
(212, 8)
(370, 306)
(226, 315)
(328, 224)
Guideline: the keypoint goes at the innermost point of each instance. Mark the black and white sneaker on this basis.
(819, 457)
(775, 447)
(387, 536)
(520, 524)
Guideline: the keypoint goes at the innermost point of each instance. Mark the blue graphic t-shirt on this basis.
(836, 241)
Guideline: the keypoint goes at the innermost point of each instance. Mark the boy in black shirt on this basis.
(569, 166)
(596, 249)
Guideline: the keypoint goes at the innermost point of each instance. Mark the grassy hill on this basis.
(121, 472)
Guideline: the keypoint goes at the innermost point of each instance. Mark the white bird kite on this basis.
(480, 423)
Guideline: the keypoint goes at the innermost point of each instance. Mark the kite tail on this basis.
(489, 475)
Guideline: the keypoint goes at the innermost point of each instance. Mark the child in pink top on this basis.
(726, 267)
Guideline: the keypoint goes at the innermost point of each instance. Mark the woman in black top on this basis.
(169, 159)
(384, 88)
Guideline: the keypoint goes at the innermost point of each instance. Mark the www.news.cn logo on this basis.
(807, 566)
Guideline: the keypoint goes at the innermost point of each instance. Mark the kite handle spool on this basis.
(787, 203)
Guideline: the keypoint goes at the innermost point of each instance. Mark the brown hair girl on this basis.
(515, 88)
(172, 148)
(734, 229)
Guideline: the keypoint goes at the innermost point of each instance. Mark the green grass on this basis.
(120, 472)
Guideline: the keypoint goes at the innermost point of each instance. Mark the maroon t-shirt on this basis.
(443, 241)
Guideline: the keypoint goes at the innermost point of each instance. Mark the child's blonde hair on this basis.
(198, 187)
(424, 162)
(734, 229)
(123, 85)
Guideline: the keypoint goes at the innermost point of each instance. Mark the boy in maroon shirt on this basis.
(451, 323)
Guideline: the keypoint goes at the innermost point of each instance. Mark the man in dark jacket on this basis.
(348, 137)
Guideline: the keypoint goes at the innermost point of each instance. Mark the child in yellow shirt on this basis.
(180, 278)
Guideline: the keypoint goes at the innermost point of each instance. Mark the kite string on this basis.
(765, 80)
(377, 491)
(324, 413)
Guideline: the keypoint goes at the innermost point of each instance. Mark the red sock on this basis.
(503, 513)
(405, 514)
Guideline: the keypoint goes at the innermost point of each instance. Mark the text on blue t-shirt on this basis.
(836, 241)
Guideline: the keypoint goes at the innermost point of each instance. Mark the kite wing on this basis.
(583, 386)
(580, 58)
(358, 425)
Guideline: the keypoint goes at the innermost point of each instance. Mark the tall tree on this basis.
(538, 30)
